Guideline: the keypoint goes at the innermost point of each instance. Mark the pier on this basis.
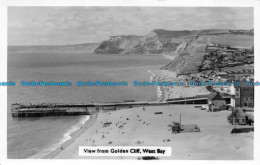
(54, 109)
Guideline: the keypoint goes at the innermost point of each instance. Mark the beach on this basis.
(91, 119)
(142, 127)
(29, 134)
(162, 81)
(167, 92)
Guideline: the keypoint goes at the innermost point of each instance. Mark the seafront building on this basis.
(244, 95)
(239, 117)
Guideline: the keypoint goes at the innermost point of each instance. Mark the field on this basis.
(244, 41)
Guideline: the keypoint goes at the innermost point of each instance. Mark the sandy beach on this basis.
(142, 127)
(176, 91)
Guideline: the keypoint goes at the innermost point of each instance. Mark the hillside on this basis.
(185, 48)
(156, 42)
(189, 55)
(174, 34)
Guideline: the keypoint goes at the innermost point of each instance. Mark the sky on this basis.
(74, 25)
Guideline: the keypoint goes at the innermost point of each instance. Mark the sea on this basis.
(37, 136)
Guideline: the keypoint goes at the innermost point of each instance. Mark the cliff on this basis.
(156, 42)
(189, 55)
(186, 48)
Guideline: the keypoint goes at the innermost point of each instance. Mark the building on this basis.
(218, 101)
(239, 117)
(244, 95)
(215, 101)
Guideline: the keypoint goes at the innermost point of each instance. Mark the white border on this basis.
(210, 3)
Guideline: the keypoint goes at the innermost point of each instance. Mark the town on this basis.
(222, 64)
(220, 56)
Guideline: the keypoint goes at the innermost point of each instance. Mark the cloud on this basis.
(69, 25)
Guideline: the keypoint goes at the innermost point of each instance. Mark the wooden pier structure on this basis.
(54, 109)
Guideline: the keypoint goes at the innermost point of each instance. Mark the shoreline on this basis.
(88, 123)
(137, 121)
(162, 75)
(155, 77)
(171, 58)
(159, 89)
(142, 127)
(73, 135)
(92, 120)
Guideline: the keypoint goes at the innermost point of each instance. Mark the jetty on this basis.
(61, 109)
(55, 109)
